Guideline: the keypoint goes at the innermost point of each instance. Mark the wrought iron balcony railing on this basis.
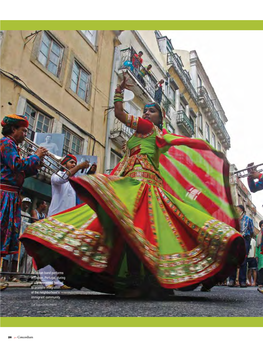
(175, 60)
(203, 95)
(185, 124)
(120, 132)
(149, 81)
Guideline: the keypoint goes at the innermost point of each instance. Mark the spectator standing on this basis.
(137, 62)
(252, 263)
(25, 261)
(159, 91)
(247, 229)
(39, 212)
(259, 257)
(143, 72)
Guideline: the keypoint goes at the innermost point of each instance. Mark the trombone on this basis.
(51, 164)
(248, 170)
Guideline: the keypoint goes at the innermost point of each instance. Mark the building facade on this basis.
(61, 81)
(187, 92)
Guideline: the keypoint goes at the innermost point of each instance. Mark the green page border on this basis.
(132, 24)
(131, 321)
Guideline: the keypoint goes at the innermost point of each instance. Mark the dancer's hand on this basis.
(124, 84)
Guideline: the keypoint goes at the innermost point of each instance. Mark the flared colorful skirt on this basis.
(178, 244)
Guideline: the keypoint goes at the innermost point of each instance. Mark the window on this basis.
(72, 142)
(207, 132)
(51, 54)
(192, 122)
(172, 95)
(91, 35)
(200, 122)
(219, 146)
(114, 160)
(80, 81)
(38, 121)
(199, 81)
(182, 107)
(213, 142)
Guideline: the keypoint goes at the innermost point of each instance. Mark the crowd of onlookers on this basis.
(140, 72)
(22, 262)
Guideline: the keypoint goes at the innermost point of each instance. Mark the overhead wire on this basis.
(15, 79)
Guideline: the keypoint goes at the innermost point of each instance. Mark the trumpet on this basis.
(248, 170)
(51, 164)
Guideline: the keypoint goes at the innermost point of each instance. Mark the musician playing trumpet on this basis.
(14, 170)
(255, 186)
(63, 198)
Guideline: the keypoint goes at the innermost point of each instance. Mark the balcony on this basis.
(208, 106)
(143, 87)
(120, 133)
(184, 124)
(175, 60)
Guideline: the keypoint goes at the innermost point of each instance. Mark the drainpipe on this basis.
(111, 116)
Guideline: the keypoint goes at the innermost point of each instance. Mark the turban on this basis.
(14, 119)
(67, 158)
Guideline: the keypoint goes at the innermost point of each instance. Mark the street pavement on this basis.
(18, 300)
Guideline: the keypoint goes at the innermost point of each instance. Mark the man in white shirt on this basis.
(252, 263)
(63, 198)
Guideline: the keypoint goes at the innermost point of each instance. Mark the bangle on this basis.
(119, 95)
(118, 90)
(118, 100)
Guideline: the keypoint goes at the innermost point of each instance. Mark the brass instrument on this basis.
(51, 164)
(248, 170)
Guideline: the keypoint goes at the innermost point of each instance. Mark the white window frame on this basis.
(172, 95)
(207, 132)
(61, 54)
(200, 122)
(34, 120)
(219, 146)
(81, 69)
(65, 130)
(114, 159)
(91, 35)
(213, 140)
